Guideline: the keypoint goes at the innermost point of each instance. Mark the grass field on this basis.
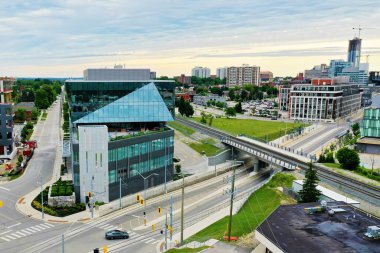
(187, 250)
(205, 146)
(258, 206)
(181, 128)
(261, 129)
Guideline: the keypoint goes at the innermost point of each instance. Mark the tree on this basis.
(210, 119)
(178, 168)
(309, 192)
(348, 158)
(181, 106)
(20, 114)
(238, 108)
(230, 112)
(203, 118)
(356, 129)
(231, 94)
(41, 99)
(189, 110)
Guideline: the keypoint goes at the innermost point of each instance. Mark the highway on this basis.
(355, 187)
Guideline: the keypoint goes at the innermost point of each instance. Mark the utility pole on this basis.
(232, 200)
(42, 198)
(120, 192)
(182, 204)
(166, 231)
(171, 215)
(63, 244)
(92, 195)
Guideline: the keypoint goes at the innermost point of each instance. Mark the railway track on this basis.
(323, 172)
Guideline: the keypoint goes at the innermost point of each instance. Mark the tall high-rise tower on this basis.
(354, 51)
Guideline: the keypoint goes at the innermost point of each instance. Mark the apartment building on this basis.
(7, 149)
(238, 76)
(201, 72)
(324, 100)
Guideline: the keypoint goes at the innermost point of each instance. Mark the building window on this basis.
(112, 176)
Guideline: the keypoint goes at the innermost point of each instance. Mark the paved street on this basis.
(18, 231)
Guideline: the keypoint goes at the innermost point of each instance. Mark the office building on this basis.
(119, 130)
(318, 71)
(374, 78)
(357, 74)
(239, 76)
(266, 77)
(201, 72)
(202, 100)
(354, 51)
(7, 148)
(221, 73)
(324, 100)
(118, 73)
(370, 131)
(284, 97)
(318, 227)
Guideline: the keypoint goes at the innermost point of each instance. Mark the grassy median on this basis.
(255, 210)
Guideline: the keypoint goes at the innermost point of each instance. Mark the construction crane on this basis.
(359, 28)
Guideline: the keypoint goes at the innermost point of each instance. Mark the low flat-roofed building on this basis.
(290, 229)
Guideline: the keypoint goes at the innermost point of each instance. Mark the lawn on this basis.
(261, 129)
(187, 250)
(181, 128)
(205, 146)
(375, 175)
(257, 208)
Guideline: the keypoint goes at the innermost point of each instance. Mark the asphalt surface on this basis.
(16, 230)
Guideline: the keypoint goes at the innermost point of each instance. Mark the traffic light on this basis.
(170, 229)
(1, 203)
(144, 213)
(159, 210)
(89, 194)
(87, 199)
(162, 232)
(105, 249)
(138, 198)
(142, 201)
(154, 227)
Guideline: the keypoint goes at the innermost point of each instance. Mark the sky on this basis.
(42, 38)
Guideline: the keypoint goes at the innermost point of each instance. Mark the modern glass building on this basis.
(370, 131)
(118, 130)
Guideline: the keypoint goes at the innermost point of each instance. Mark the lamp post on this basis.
(145, 178)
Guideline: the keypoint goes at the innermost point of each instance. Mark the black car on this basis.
(116, 234)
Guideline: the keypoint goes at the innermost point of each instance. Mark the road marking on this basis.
(17, 236)
(131, 233)
(20, 233)
(3, 188)
(5, 232)
(33, 228)
(26, 232)
(5, 239)
(40, 227)
(44, 225)
(150, 240)
(10, 237)
(135, 216)
(48, 224)
(29, 229)
(14, 225)
(155, 241)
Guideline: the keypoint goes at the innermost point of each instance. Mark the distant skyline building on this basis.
(266, 76)
(318, 71)
(201, 72)
(244, 74)
(118, 73)
(354, 51)
(357, 74)
(221, 72)
(183, 79)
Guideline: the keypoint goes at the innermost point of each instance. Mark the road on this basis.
(201, 200)
(19, 231)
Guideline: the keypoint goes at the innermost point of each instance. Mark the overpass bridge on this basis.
(276, 156)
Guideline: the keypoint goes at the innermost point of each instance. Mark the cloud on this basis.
(95, 32)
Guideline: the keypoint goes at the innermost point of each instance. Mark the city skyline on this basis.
(62, 39)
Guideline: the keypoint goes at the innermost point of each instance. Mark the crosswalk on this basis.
(12, 235)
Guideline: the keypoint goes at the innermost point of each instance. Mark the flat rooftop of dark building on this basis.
(292, 230)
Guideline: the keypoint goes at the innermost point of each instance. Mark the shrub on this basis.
(348, 158)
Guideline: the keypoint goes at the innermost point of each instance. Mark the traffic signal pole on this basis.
(182, 206)
(171, 216)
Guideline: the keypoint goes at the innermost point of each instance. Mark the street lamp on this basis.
(153, 174)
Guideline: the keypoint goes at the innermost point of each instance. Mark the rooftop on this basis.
(292, 230)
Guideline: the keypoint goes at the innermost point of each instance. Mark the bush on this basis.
(329, 158)
(281, 180)
(348, 158)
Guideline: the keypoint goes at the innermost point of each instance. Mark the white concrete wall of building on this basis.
(268, 244)
(93, 162)
(328, 195)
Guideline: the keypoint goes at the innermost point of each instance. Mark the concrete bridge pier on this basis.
(255, 164)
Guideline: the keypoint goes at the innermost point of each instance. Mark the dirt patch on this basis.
(248, 241)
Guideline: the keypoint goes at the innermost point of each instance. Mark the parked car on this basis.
(116, 234)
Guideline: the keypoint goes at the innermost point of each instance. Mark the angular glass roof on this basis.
(142, 105)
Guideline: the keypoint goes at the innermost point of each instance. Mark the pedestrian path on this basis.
(12, 235)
